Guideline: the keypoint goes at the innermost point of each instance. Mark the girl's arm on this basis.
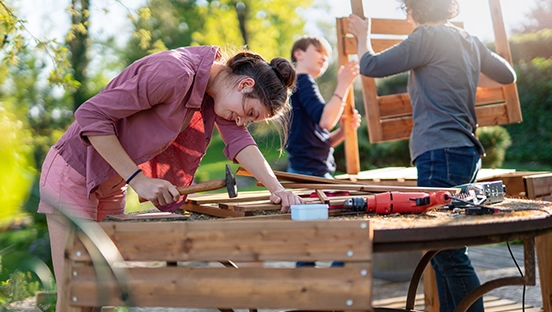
(160, 192)
(253, 161)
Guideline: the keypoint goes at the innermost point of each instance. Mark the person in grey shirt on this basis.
(446, 66)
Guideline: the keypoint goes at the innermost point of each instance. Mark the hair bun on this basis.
(284, 70)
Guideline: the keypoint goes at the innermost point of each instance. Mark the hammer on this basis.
(229, 181)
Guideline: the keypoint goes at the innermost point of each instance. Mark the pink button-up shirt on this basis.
(146, 107)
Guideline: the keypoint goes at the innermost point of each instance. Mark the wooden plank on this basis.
(399, 128)
(289, 288)
(395, 105)
(294, 177)
(211, 211)
(396, 128)
(368, 188)
(352, 157)
(538, 185)
(503, 49)
(357, 8)
(239, 241)
(156, 216)
(282, 216)
(492, 115)
(390, 27)
(543, 246)
(485, 96)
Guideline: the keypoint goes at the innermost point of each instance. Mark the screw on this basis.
(363, 272)
(363, 225)
(78, 253)
(349, 302)
(349, 253)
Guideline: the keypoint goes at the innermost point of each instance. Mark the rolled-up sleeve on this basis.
(235, 137)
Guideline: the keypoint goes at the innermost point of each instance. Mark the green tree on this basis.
(78, 40)
(266, 27)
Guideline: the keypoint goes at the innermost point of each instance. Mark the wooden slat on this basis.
(543, 246)
(485, 96)
(211, 210)
(390, 27)
(399, 128)
(369, 188)
(352, 157)
(288, 288)
(503, 49)
(492, 115)
(538, 185)
(398, 105)
(396, 128)
(239, 241)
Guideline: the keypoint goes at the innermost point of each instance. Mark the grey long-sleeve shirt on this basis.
(444, 63)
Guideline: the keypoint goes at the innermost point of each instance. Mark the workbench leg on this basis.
(543, 245)
(431, 296)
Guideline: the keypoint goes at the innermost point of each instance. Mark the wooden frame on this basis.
(390, 117)
(187, 281)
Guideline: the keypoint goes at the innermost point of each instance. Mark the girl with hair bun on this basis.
(150, 127)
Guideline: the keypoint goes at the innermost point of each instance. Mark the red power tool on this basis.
(398, 202)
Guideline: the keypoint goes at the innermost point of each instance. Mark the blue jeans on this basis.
(327, 175)
(454, 273)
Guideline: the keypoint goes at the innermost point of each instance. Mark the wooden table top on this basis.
(444, 229)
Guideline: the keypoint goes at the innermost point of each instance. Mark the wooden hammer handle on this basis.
(199, 187)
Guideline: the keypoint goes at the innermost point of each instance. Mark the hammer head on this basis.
(231, 186)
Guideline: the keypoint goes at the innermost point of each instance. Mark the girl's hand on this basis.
(158, 191)
(285, 198)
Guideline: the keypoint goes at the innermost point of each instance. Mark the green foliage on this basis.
(533, 135)
(267, 27)
(14, 29)
(19, 286)
(526, 47)
(16, 166)
(496, 141)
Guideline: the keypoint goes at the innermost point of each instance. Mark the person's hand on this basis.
(348, 72)
(158, 191)
(285, 198)
(355, 120)
(359, 27)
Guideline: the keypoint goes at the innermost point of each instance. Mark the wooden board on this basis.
(201, 286)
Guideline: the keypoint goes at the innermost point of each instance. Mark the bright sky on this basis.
(51, 18)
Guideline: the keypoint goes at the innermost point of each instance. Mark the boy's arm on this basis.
(334, 107)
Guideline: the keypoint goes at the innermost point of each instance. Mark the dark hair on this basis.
(430, 11)
(304, 42)
(274, 83)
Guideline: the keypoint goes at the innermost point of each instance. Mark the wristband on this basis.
(133, 175)
(338, 96)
